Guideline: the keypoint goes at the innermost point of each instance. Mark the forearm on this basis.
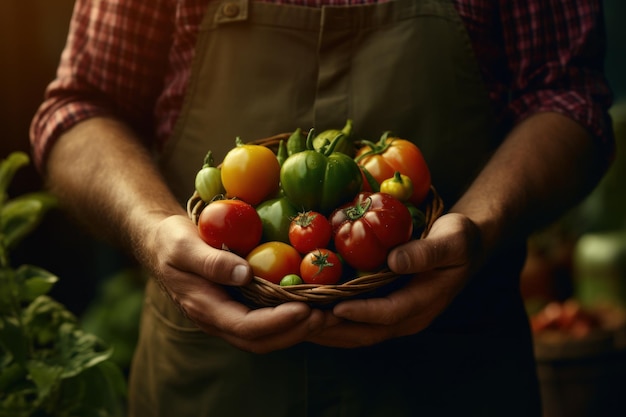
(106, 178)
(545, 165)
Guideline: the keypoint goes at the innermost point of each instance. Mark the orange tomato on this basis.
(392, 154)
(274, 260)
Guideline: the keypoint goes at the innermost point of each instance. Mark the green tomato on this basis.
(345, 143)
(276, 215)
(208, 181)
(320, 181)
(291, 279)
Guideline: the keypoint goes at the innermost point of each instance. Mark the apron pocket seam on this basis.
(171, 327)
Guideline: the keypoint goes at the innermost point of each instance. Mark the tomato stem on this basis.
(327, 151)
(359, 209)
(218, 197)
(371, 181)
(376, 148)
(304, 219)
(309, 139)
(321, 261)
(208, 160)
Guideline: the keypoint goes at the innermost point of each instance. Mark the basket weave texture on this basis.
(262, 293)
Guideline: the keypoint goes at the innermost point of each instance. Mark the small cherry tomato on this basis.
(208, 181)
(399, 186)
(291, 279)
(233, 225)
(321, 266)
(309, 230)
(250, 173)
(273, 260)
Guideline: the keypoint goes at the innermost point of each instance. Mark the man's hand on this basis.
(194, 275)
(442, 264)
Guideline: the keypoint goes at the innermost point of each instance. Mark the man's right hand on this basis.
(194, 274)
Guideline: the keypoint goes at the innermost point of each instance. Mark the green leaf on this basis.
(102, 391)
(80, 350)
(42, 319)
(47, 200)
(34, 281)
(8, 167)
(20, 216)
(49, 366)
(18, 403)
(9, 293)
(46, 377)
(13, 340)
(10, 376)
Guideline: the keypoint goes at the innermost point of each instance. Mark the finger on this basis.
(316, 323)
(282, 339)
(212, 306)
(409, 301)
(419, 255)
(189, 253)
(222, 267)
(212, 309)
(447, 245)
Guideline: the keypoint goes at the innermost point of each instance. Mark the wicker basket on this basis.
(262, 293)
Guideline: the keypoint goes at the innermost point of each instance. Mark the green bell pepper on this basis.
(320, 179)
(276, 214)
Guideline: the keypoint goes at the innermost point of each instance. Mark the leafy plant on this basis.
(49, 366)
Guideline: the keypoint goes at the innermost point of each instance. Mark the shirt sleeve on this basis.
(112, 64)
(555, 51)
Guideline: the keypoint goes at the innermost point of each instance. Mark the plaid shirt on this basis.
(534, 55)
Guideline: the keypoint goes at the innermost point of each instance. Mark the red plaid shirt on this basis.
(534, 55)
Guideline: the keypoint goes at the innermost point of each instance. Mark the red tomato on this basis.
(232, 225)
(321, 266)
(309, 230)
(250, 173)
(368, 228)
(273, 260)
(393, 154)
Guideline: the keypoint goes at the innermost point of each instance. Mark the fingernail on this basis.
(239, 276)
(402, 261)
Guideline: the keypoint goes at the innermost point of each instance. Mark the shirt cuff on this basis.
(52, 120)
(591, 114)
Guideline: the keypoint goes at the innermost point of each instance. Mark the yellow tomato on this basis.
(250, 173)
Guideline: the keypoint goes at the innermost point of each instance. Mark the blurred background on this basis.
(574, 281)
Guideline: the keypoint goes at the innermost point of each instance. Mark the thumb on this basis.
(450, 242)
(417, 256)
(189, 253)
(224, 267)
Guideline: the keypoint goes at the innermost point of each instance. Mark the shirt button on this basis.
(230, 9)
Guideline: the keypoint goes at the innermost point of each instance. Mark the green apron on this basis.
(406, 66)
